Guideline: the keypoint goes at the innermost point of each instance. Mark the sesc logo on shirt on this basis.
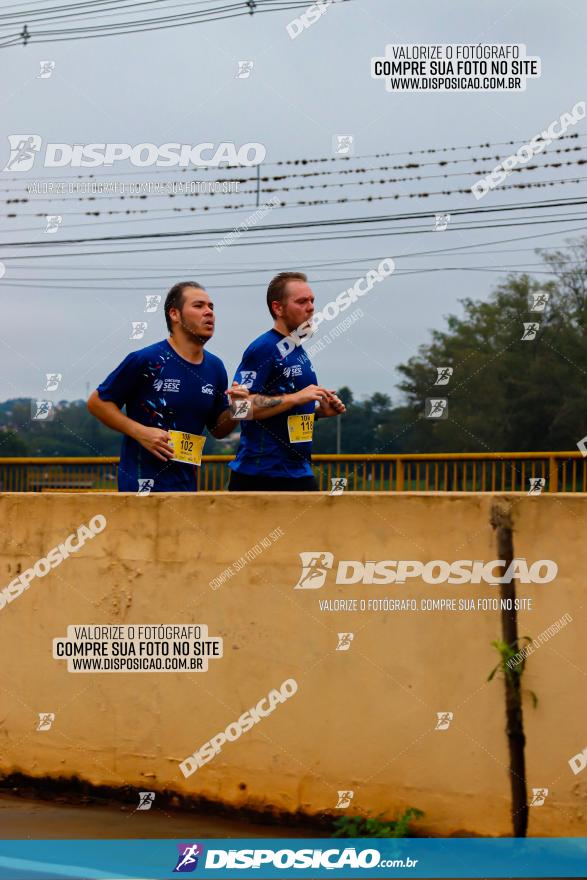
(281, 446)
(295, 370)
(166, 385)
(208, 389)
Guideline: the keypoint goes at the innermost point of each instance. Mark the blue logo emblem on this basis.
(187, 861)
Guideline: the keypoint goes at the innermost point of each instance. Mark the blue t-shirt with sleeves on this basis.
(161, 389)
(271, 447)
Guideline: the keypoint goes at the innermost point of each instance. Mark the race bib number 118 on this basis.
(300, 428)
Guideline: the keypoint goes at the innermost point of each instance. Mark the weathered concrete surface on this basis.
(362, 719)
(22, 818)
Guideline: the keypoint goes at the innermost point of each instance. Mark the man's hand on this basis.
(308, 394)
(331, 405)
(240, 402)
(237, 392)
(265, 407)
(154, 440)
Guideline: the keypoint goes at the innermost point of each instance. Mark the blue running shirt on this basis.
(162, 390)
(273, 447)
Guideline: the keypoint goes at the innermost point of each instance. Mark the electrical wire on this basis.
(289, 241)
(179, 20)
(370, 199)
(266, 178)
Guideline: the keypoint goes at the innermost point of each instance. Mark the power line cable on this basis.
(379, 198)
(180, 20)
(276, 177)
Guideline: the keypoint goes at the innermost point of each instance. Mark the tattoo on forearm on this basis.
(267, 402)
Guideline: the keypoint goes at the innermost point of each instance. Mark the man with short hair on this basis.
(173, 385)
(275, 448)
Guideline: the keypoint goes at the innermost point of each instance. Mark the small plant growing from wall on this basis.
(376, 826)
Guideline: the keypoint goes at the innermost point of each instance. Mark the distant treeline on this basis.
(518, 383)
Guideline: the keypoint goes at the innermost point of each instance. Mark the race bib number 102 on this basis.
(187, 448)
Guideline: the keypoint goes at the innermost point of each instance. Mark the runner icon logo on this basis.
(53, 380)
(187, 861)
(436, 408)
(46, 719)
(240, 409)
(530, 331)
(443, 375)
(537, 301)
(537, 484)
(344, 799)
(444, 719)
(342, 144)
(47, 68)
(146, 800)
(248, 377)
(244, 69)
(42, 410)
(23, 151)
(539, 795)
(54, 221)
(441, 222)
(314, 568)
(138, 329)
(344, 641)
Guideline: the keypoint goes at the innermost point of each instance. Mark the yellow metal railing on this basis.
(438, 472)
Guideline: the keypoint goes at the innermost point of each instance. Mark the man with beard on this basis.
(171, 390)
(275, 448)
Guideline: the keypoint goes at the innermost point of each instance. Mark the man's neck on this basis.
(281, 327)
(189, 349)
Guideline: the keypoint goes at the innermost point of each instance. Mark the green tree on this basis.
(362, 425)
(11, 444)
(507, 393)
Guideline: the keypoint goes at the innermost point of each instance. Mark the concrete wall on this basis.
(362, 719)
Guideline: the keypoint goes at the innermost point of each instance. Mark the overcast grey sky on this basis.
(72, 314)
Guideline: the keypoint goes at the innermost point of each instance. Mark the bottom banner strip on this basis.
(365, 858)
